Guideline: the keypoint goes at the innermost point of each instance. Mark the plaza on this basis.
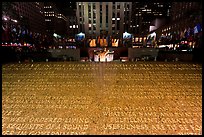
(134, 98)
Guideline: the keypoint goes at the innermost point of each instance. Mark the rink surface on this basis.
(102, 98)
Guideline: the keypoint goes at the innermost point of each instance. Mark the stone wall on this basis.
(140, 52)
(65, 53)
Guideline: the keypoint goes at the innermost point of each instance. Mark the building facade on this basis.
(33, 14)
(184, 20)
(98, 18)
(23, 23)
(144, 15)
(55, 21)
(72, 25)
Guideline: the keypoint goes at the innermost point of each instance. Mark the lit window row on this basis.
(147, 22)
(137, 14)
(169, 28)
(48, 7)
(49, 15)
(114, 18)
(138, 39)
(147, 10)
(73, 26)
(134, 26)
(126, 10)
(49, 12)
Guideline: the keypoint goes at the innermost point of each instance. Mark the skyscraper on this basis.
(143, 13)
(32, 12)
(56, 22)
(96, 18)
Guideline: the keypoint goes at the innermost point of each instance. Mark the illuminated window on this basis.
(136, 39)
(144, 38)
(133, 39)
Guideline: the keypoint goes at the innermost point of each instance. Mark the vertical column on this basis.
(86, 18)
(91, 19)
(121, 18)
(104, 16)
(130, 14)
(110, 7)
(97, 18)
(116, 5)
(77, 15)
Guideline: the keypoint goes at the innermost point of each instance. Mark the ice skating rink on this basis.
(102, 98)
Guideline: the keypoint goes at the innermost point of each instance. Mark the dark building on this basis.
(186, 18)
(31, 14)
(143, 13)
(72, 24)
(23, 23)
(56, 22)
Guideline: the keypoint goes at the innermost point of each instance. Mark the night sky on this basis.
(66, 7)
